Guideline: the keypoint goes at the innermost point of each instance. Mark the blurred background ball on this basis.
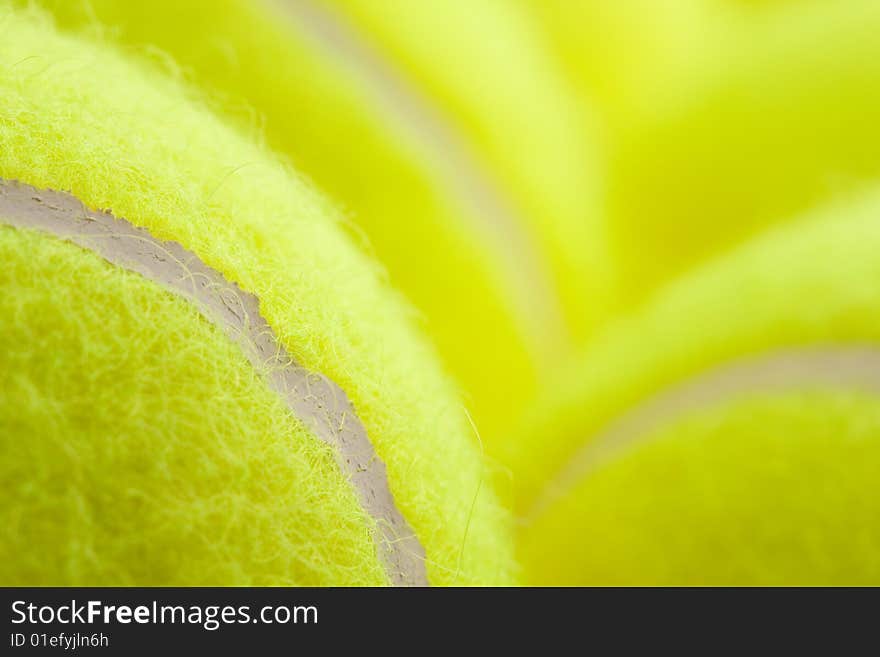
(728, 432)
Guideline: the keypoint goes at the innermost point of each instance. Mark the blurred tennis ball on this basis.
(727, 434)
(623, 55)
(782, 119)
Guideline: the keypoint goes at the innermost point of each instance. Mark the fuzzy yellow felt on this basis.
(457, 157)
(123, 405)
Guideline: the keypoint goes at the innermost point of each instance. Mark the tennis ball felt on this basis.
(446, 131)
(727, 434)
(205, 380)
(781, 119)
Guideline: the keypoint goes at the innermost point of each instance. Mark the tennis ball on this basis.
(205, 380)
(491, 70)
(781, 119)
(448, 134)
(623, 56)
(726, 434)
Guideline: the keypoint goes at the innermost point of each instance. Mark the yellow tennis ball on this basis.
(623, 56)
(729, 433)
(205, 381)
(445, 130)
(490, 69)
(780, 119)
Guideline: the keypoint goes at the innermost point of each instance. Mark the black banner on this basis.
(172, 620)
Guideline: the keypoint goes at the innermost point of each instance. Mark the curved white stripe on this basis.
(854, 367)
(537, 296)
(315, 400)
